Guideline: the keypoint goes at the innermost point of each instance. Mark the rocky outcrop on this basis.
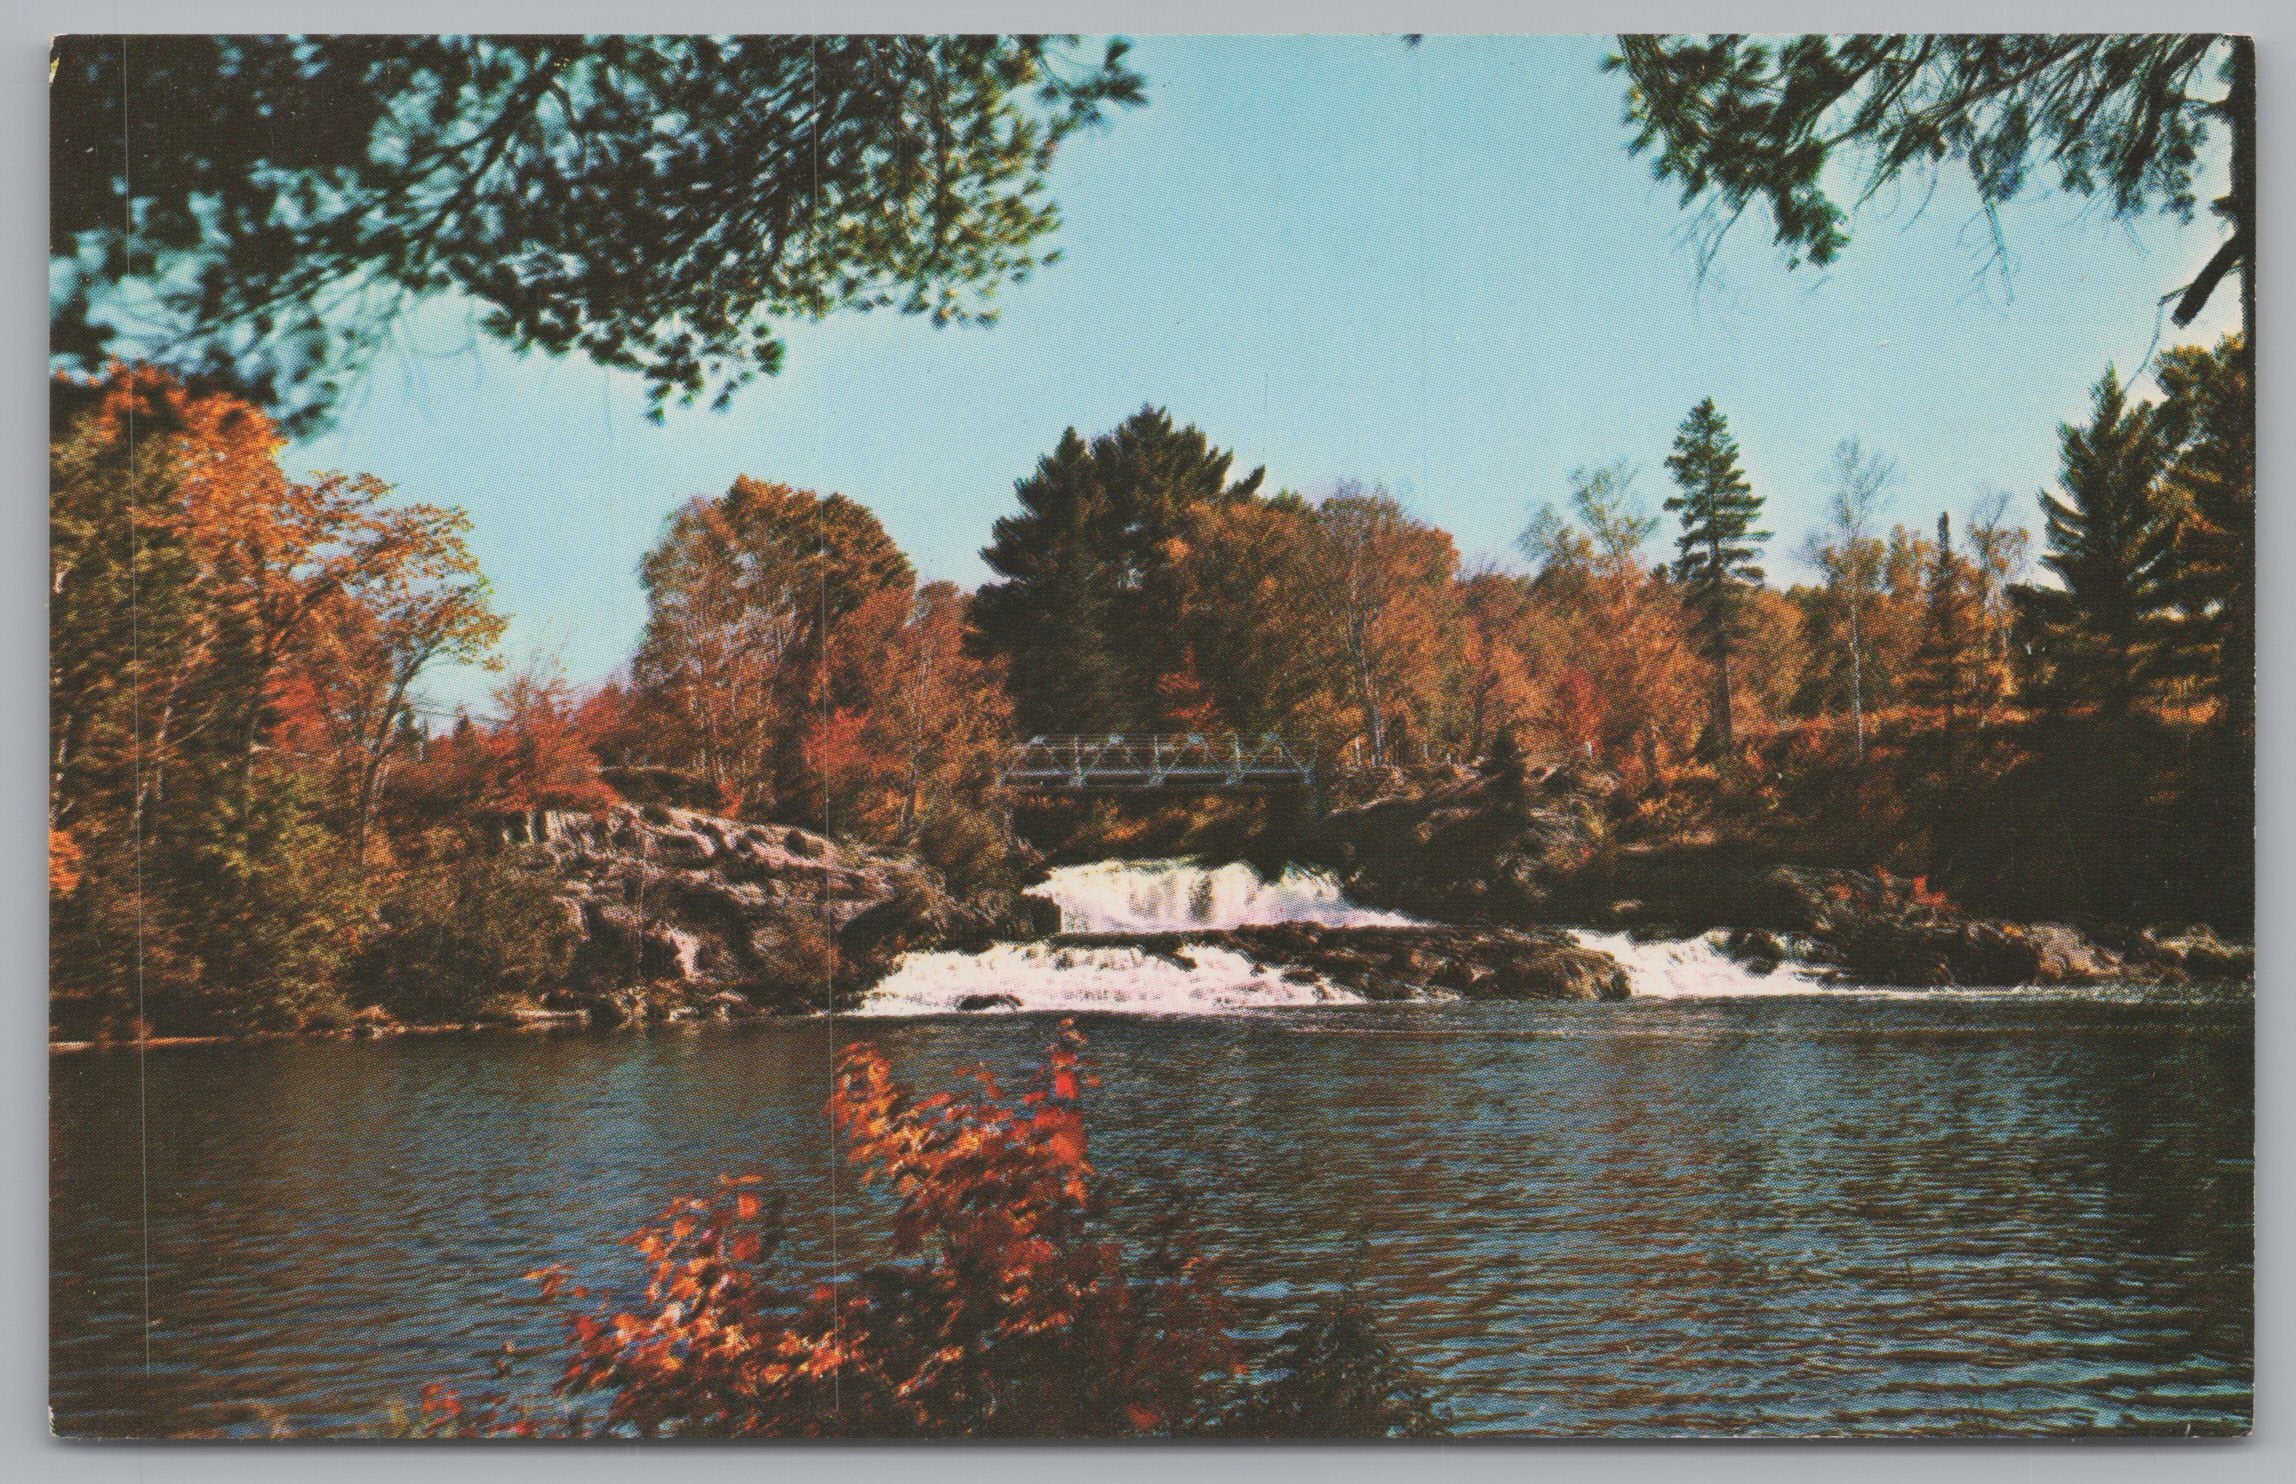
(1399, 963)
(1514, 846)
(1499, 843)
(678, 913)
(2200, 954)
(1880, 929)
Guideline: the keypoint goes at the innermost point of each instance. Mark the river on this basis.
(1729, 1205)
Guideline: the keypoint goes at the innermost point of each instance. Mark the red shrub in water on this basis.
(1004, 1310)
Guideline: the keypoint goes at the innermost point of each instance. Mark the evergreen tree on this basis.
(2109, 636)
(1948, 668)
(1092, 612)
(1948, 676)
(2211, 414)
(1717, 548)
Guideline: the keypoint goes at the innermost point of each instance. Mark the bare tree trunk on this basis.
(1857, 672)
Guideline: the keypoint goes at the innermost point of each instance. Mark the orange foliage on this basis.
(1002, 1312)
(1188, 705)
(917, 723)
(1577, 714)
(230, 696)
(63, 863)
(837, 754)
(533, 756)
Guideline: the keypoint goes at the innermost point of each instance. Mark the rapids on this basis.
(1174, 895)
(1167, 896)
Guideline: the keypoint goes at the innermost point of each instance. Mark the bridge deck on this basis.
(1193, 760)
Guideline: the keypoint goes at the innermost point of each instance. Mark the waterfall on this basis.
(1173, 896)
(1136, 897)
(1695, 968)
(1170, 896)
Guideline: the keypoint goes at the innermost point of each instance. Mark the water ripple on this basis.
(1778, 1215)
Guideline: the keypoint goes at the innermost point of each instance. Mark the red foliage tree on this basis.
(1005, 1310)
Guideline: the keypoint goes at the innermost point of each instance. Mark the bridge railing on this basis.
(1195, 759)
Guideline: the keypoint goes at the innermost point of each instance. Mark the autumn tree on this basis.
(196, 595)
(1718, 544)
(1996, 548)
(1385, 606)
(1250, 577)
(741, 591)
(418, 599)
(1848, 554)
(1608, 637)
(532, 754)
(659, 204)
(909, 751)
(124, 612)
(1090, 611)
(1489, 692)
(1772, 661)
(2108, 638)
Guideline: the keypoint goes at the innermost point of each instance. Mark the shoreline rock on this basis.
(1400, 963)
(1535, 850)
(680, 914)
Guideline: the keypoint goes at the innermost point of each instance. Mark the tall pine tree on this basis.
(2211, 415)
(1948, 674)
(1717, 548)
(2109, 637)
(1945, 669)
(1091, 611)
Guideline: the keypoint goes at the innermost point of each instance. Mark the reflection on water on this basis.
(1782, 1215)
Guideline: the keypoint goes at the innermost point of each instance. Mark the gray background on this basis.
(27, 1452)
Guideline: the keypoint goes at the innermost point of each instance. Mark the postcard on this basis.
(1032, 737)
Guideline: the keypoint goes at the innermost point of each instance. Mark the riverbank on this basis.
(1557, 846)
(1455, 884)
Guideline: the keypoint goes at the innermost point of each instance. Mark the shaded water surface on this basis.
(1794, 1214)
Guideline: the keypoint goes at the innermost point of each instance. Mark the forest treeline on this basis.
(255, 823)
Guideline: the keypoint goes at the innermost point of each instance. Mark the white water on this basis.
(1048, 977)
(1137, 897)
(1698, 969)
(1694, 969)
(1174, 896)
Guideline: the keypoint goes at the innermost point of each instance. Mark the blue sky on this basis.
(1433, 268)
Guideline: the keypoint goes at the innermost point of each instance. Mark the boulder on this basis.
(1556, 973)
(2199, 953)
(1461, 843)
(1396, 963)
(1879, 929)
(675, 909)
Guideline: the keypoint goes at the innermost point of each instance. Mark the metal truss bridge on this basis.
(1194, 761)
